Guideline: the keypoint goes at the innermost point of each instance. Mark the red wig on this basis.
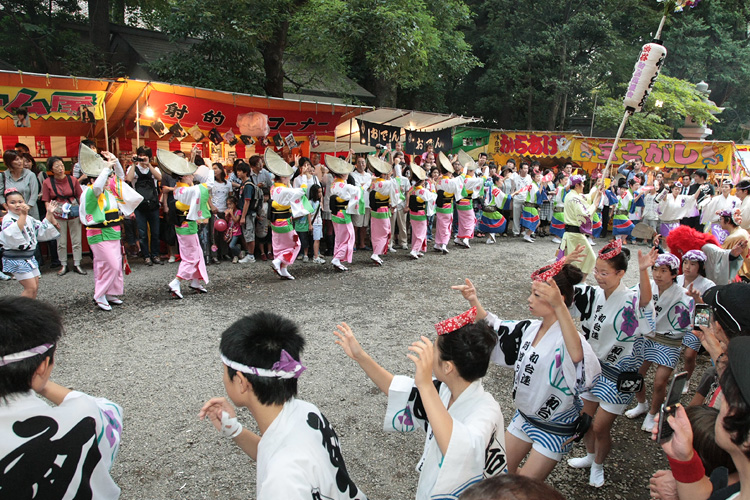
(682, 239)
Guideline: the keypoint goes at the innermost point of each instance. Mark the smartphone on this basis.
(702, 315)
(669, 406)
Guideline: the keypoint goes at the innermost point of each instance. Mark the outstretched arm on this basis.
(644, 262)
(470, 294)
(349, 343)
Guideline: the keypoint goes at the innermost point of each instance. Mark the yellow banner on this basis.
(23, 104)
(533, 144)
(655, 153)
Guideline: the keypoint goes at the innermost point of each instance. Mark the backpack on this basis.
(146, 187)
(257, 199)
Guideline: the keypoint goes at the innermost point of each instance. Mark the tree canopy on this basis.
(518, 64)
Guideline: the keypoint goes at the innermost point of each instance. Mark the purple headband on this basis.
(20, 356)
(576, 179)
(695, 256)
(669, 260)
(286, 367)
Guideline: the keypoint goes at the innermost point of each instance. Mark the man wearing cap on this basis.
(693, 219)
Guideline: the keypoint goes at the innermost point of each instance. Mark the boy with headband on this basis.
(298, 454)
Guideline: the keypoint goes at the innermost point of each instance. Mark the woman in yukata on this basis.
(612, 317)
(553, 365)
(463, 422)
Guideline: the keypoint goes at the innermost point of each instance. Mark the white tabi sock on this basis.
(174, 284)
(196, 283)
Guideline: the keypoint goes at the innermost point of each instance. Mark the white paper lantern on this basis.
(644, 75)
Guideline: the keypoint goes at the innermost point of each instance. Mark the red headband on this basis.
(453, 324)
(611, 250)
(547, 272)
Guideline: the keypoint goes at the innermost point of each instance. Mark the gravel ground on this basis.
(158, 358)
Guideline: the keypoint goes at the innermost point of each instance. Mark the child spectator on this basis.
(234, 232)
(61, 451)
(316, 219)
(298, 455)
(262, 234)
(19, 236)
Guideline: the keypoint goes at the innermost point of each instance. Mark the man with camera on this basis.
(145, 177)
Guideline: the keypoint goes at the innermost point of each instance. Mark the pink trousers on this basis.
(286, 246)
(418, 235)
(192, 263)
(443, 224)
(107, 269)
(343, 248)
(466, 222)
(380, 233)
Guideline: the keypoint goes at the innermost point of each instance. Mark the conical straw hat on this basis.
(173, 164)
(276, 164)
(90, 162)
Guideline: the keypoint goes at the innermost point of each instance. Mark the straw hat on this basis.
(445, 162)
(276, 164)
(337, 165)
(173, 164)
(418, 171)
(90, 162)
(379, 165)
(466, 161)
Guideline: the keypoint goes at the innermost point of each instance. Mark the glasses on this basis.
(601, 274)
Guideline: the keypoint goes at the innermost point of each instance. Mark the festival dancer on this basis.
(723, 202)
(535, 195)
(447, 188)
(622, 205)
(384, 194)
(722, 264)
(674, 317)
(19, 237)
(492, 221)
(553, 365)
(286, 203)
(612, 317)
(296, 449)
(345, 200)
(673, 206)
(463, 422)
(557, 224)
(731, 222)
(577, 216)
(419, 198)
(101, 209)
(190, 205)
(472, 189)
(693, 280)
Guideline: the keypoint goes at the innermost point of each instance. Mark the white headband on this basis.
(287, 367)
(20, 356)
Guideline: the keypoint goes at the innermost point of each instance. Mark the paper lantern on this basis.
(644, 75)
(253, 124)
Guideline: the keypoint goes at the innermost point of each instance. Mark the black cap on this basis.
(738, 354)
(730, 306)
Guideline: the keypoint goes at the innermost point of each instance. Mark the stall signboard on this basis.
(50, 103)
(531, 144)
(667, 154)
(374, 134)
(417, 142)
(207, 114)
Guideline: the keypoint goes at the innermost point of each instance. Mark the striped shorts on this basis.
(691, 341)
(609, 398)
(548, 444)
(659, 353)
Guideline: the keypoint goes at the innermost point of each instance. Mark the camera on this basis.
(140, 159)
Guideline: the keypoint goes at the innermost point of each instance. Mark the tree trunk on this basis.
(273, 60)
(564, 111)
(529, 104)
(385, 92)
(99, 30)
(118, 12)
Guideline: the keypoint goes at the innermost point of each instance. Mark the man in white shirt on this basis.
(361, 179)
(741, 191)
(521, 180)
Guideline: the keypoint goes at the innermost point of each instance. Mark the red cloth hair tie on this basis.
(453, 324)
(547, 272)
(611, 249)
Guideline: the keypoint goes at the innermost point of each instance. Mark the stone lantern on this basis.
(693, 130)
